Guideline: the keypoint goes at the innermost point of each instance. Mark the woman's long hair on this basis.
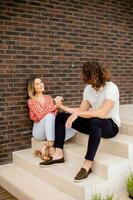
(31, 90)
(95, 74)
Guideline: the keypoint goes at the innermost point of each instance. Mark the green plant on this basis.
(130, 185)
(98, 197)
(109, 197)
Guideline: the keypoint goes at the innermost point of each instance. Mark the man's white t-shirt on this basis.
(96, 98)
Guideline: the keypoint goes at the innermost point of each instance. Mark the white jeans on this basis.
(45, 129)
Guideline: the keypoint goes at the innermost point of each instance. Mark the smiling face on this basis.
(38, 86)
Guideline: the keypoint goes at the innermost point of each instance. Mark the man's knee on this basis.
(95, 121)
(95, 127)
(61, 117)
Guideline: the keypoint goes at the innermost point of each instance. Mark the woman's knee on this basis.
(39, 136)
(50, 117)
(38, 131)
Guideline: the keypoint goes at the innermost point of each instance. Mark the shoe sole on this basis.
(47, 166)
(79, 181)
(85, 179)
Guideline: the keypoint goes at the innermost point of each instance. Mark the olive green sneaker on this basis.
(52, 162)
(82, 175)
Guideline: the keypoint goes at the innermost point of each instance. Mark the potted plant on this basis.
(130, 185)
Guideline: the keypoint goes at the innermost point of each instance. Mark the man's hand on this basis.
(70, 120)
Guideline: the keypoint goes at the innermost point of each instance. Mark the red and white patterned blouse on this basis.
(37, 111)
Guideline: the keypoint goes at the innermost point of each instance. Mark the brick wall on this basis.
(52, 39)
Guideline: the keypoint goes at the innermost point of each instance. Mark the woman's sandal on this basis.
(45, 152)
(51, 150)
(37, 153)
(42, 152)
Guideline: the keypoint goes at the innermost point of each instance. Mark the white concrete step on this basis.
(126, 112)
(123, 196)
(105, 165)
(121, 145)
(126, 115)
(62, 176)
(127, 127)
(25, 186)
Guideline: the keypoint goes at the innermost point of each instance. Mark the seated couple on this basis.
(97, 116)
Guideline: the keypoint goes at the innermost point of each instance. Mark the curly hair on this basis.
(95, 74)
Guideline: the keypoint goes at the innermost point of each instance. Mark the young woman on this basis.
(43, 112)
(97, 116)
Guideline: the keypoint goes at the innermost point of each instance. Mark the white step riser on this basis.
(70, 188)
(99, 169)
(126, 116)
(15, 191)
(123, 195)
(36, 143)
(107, 145)
(113, 147)
(26, 186)
(127, 128)
(75, 190)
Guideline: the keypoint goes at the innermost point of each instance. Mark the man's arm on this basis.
(85, 105)
(100, 112)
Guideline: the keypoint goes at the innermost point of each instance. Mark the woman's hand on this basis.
(58, 100)
(70, 120)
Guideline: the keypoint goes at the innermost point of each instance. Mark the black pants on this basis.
(95, 127)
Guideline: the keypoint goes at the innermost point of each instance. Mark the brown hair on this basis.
(31, 90)
(95, 74)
